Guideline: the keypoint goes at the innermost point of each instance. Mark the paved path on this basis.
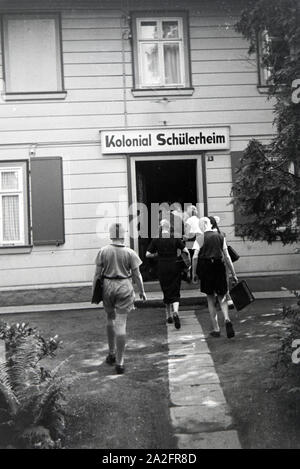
(199, 412)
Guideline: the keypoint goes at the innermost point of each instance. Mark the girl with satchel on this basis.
(166, 248)
(210, 267)
(214, 223)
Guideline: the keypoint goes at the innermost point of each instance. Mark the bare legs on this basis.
(111, 338)
(116, 336)
(120, 330)
(224, 306)
(175, 307)
(213, 312)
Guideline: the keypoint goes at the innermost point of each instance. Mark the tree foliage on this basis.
(266, 192)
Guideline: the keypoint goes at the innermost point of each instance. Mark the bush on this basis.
(291, 315)
(32, 397)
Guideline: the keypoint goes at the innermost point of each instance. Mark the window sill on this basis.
(15, 249)
(34, 96)
(156, 92)
(263, 89)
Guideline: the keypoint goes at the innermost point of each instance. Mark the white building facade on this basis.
(104, 104)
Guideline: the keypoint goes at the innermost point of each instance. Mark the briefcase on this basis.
(241, 295)
(97, 295)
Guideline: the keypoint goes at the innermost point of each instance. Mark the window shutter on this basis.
(235, 164)
(47, 201)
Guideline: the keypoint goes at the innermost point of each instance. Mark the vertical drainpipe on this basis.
(124, 32)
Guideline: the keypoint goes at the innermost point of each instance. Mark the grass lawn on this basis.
(266, 416)
(107, 410)
(110, 411)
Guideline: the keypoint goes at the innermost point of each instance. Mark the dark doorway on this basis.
(163, 181)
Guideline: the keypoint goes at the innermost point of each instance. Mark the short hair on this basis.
(203, 222)
(193, 209)
(177, 206)
(116, 231)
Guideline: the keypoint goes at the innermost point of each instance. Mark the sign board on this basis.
(163, 140)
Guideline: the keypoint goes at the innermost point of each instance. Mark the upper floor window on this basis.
(272, 52)
(161, 52)
(263, 50)
(32, 54)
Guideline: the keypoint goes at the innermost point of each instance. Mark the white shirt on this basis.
(193, 222)
(193, 228)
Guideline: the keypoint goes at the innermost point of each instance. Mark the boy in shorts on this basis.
(117, 265)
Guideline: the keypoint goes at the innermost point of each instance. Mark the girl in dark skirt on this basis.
(166, 248)
(211, 270)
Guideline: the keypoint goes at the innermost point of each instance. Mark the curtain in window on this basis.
(9, 180)
(150, 67)
(11, 218)
(172, 64)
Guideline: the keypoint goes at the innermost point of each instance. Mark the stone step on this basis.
(155, 287)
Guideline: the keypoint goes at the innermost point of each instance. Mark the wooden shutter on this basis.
(47, 201)
(235, 164)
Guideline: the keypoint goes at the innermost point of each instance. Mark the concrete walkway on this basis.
(199, 412)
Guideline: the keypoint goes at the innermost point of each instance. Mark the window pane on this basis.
(170, 29)
(11, 218)
(150, 66)
(9, 180)
(148, 30)
(172, 64)
(32, 61)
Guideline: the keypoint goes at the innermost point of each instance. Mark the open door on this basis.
(159, 181)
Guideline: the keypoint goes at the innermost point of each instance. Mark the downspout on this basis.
(125, 36)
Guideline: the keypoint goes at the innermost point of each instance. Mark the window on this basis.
(32, 54)
(161, 53)
(272, 52)
(13, 204)
(46, 202)
(263, 49)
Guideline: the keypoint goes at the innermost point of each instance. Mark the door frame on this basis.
(200, 183)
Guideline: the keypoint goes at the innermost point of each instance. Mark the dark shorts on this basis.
(213, 277)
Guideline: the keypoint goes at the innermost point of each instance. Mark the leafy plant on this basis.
(32, 398)
(266, 191)
(266, 196)
(291, 315)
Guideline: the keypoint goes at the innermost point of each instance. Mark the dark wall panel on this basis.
(47, 201)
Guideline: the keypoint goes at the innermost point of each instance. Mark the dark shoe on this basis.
(215, 333)
(170, 320)
(176, 321)
(229, 329)
(120, 369)
(110, 359)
